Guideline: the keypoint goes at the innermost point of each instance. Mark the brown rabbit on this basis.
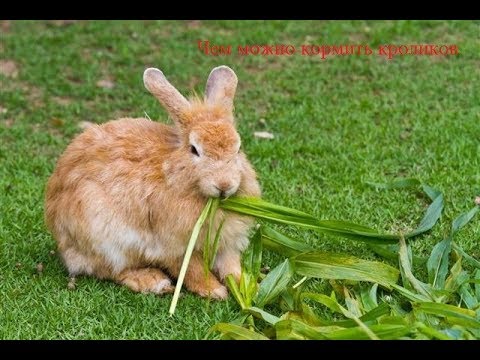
(125, 195)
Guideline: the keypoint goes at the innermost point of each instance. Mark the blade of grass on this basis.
(278, 242)
(237, 332)
(390, 252)
(274, 283)
(452, 282)
(262, 314)
(467, 257)
(381, 331)
(431, 332)
(407, 269)
(431, 217)
(432, 193)
(188, 254)
(216, 244)
(341, 266)
(353, 306)
(302, 280)
(452, 314)
(374, 314)
(284, 215)
(433, 211)
(252, 258)
(463, 219)
(325, 300)
(414, 297)
(235, 291)
(465, 291)
(335, 306)
(296, 330)
(369, 297)
(248, 287)
(206, 246)
(477, 285)
(437, 264)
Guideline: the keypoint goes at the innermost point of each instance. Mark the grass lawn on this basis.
(337, 123)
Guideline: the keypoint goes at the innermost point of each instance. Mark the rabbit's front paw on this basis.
(208, 287)
(147, 280)
(220, 293)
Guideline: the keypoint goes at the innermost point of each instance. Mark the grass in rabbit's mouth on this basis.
(207, 210)
(447, 306)
(336, 123)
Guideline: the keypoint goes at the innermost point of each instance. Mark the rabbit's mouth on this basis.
(224, 194)
(220, 190)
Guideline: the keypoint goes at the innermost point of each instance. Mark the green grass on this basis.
(337, 123)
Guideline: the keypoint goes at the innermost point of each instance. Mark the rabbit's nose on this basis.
(224, 188)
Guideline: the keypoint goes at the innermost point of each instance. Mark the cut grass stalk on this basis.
(188, 253)
(262, 209)
(207, 257)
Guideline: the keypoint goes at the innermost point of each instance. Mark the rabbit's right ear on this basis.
(169, 97)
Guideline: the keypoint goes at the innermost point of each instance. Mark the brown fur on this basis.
(125, 195)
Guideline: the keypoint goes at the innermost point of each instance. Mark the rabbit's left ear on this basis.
(221, 86)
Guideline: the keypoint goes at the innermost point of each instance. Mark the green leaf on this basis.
(477, 285)
(431, 332)
(216, 244)
(284, 215)
(466, 294)
(369, 297)
(235, 291)
(414, 297)
(188, 254)
(406, 267)
(295, 330)
(393, 320)
(323, 299)
(467, 257)
(240, 320)
(339, 266)
(452, 282)
(248, 287)
(262, 314)
(437, 264)
(236, 332)
(390, 252)
(353, 306)
(396, 184)
(463, 220)
(433, 211)
(280, 243)
(274, 283)
(252, 258)
(431, 192)
(382, 331)
(374, 314)
(333, 305)
(451, 313)
(462, 285)
(208, 257)
(431, 217)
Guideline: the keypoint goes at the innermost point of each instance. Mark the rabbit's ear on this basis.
(169, 97)
(221, 86)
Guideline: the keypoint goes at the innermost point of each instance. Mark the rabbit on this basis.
(125, 195)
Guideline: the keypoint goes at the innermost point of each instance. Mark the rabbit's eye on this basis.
(194, 150)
